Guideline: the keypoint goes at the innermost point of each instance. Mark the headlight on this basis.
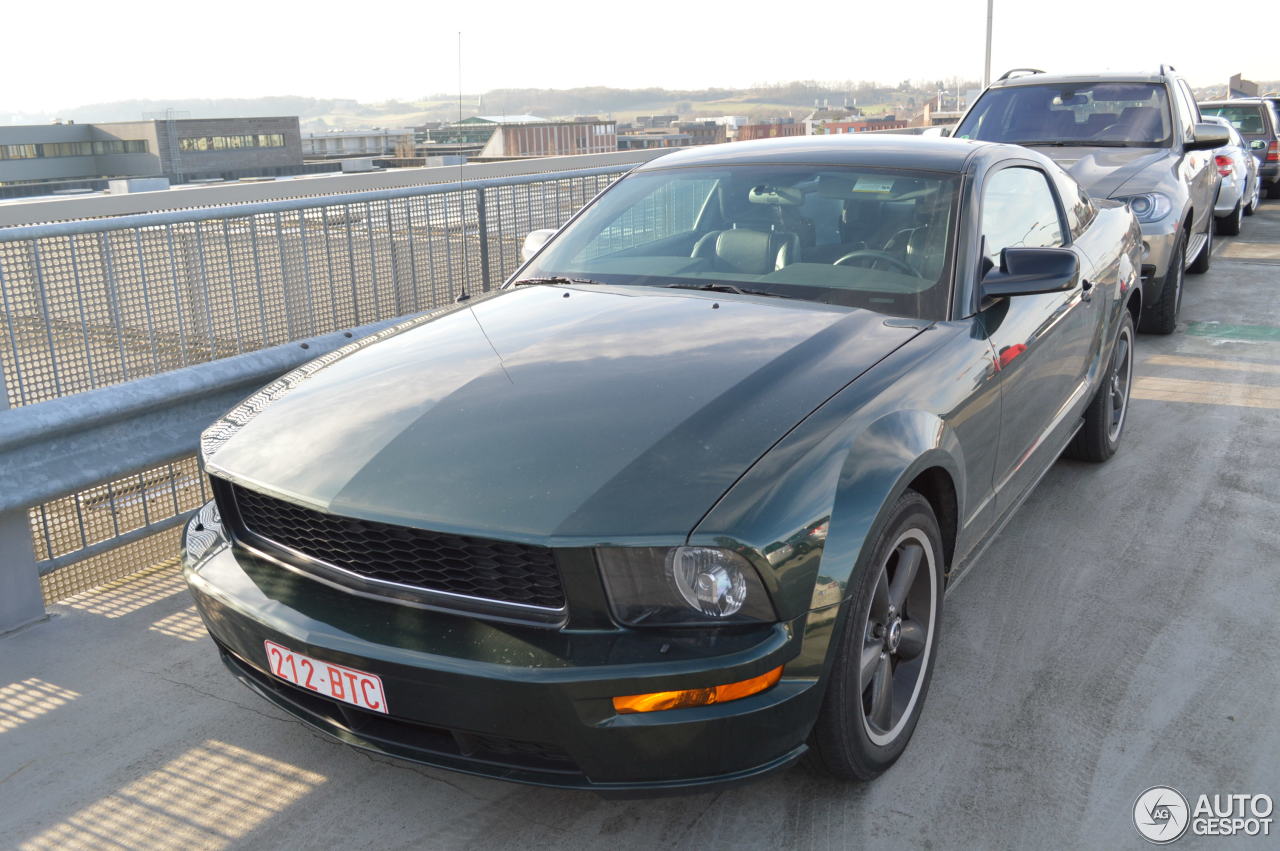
(682, 586)
(1149, 206)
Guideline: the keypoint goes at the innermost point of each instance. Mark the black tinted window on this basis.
(1119, 114)
(1247, 118)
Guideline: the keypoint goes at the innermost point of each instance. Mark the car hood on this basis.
(1103, 171)
(551, 413)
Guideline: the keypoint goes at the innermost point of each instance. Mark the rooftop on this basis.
(892, 150)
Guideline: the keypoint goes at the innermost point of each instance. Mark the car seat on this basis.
(748, 251)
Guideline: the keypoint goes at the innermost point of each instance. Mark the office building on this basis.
(36, 159)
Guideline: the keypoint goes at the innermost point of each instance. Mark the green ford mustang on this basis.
(678, 503)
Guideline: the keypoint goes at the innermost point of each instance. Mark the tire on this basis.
(1162, 317)
(1201, 264)
(1273, 191)
(1252, 206)
(888, 640)
(1229, 225)
(1105, 417)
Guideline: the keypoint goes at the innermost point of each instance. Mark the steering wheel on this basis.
(875, 256)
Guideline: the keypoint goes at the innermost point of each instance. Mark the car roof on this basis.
(1099, 77)
(885, 150)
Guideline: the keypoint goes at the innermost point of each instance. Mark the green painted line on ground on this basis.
(1226, 331)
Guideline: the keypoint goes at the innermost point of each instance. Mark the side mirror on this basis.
(1031, 271)
(1209, 136)
(534, 241)
(939, 130)
(1257, 145)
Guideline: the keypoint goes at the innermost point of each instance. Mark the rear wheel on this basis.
(1099, 437)
(1162, 318)
(1229, 225)
(886, 648)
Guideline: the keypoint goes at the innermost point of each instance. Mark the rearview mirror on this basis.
(1031, 271)
(534, 241)
(1209, 136)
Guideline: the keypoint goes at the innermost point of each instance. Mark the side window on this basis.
(1188, 111)
(1191, 99)
(1018, 211)
(1075, 201)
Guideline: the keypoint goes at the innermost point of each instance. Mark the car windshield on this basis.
(1246, 118)
(859, 237)
(1088, 114)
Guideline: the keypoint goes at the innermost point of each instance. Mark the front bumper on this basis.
(522, 703)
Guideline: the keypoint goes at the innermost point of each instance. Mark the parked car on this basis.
(1241, 184)
(1131, 137)
(1255, 119)
(680, 501)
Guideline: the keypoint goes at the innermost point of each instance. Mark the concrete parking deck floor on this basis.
(1121, 633)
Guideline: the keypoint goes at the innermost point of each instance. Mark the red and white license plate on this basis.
(337, 681)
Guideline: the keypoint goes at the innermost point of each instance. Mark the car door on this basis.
(1198, 168)
(1042, 342)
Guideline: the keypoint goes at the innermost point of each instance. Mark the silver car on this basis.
(1241, 183)
(1130, 137)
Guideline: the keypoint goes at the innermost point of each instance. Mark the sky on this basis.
(79, 52)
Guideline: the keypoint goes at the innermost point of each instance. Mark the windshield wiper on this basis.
(727, 288)
(1085, 143)
(558, 279)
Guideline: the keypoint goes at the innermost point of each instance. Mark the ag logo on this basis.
(1161, 814)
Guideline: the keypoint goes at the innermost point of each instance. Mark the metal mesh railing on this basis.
(89, 304)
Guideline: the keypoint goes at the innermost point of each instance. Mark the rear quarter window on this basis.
(1075, 202)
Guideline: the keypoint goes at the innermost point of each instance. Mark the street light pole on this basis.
(986, 71)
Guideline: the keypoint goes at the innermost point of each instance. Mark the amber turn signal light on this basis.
(696, 696)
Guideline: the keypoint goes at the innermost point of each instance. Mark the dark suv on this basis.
(1256, 120)
(1131, 137)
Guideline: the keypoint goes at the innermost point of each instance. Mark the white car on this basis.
(1241, 182)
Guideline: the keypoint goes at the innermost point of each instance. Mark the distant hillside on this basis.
(317, 113)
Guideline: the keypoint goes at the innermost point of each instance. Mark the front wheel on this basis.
(888, 642)
(1162, 316)
(1099, 437)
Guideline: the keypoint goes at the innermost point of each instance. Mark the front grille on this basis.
(480, 568)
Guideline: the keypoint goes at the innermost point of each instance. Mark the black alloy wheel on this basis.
(1099, 436)
(896, 633)
(886, 647)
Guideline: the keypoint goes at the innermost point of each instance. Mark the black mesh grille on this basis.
(434, 561)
